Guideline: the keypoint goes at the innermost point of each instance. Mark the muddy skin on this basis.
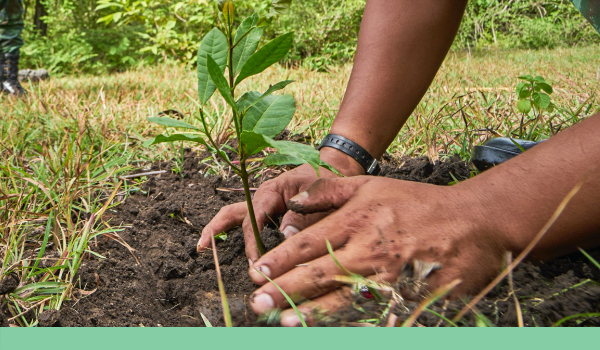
(173, 284)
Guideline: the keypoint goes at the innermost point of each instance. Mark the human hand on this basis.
(379, 226)
(269, 201)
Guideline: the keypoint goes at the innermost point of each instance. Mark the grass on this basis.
(64, 149)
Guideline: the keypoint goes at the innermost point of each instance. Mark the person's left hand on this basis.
(379, 226)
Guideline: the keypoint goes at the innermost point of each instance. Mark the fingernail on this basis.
(265, 270)
(300, 197)
(257, 276)
(262, 303)
(289, 231)
(292, 320)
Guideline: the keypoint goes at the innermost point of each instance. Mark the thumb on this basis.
(326, 194)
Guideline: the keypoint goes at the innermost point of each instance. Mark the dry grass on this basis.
(64, 146)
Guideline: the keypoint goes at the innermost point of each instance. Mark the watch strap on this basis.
(354, 150)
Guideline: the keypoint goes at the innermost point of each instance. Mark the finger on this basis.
(305, 246)
(337, 300)
(292, 223)
(308, 281)
(227, 218)
(326, 194)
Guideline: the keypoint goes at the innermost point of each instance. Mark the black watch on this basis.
(352, 149)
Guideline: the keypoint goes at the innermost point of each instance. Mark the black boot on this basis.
(10, 82)
(2, 73)
(499, 150)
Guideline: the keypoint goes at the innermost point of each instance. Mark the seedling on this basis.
(533, 94)
(222, 236)
(224, 61)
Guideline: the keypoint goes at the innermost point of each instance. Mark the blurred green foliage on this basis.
(99, 36)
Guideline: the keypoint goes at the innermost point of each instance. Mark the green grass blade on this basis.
(330, 250)
(518, 146)
(589, 314)
(206, 321)
(44, 243)
(590, 258)
(286, 297)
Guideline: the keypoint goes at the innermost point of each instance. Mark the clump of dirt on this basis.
(9, 283)
(163, 281)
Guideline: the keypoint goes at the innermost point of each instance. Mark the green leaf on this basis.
(330, 168)
(174, 123)
(39, 285)
(245, 48)
(213, 44)
(541, 99)
(279, 7)
(278, 86)
(246, 25)
(522, 91)
(524, 106)
(179, 137)
(543, 86)
(539, 79)
(216, 74)
(527, 77)
(254, 142)
(266, 56)
(269, 115)
(288, 152)
(222, 236)
(272, 89)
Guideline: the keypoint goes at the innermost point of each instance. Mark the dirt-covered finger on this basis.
(312, 311)
(227, 218)
(310, 280)
(327, 305)
(326, 194)
(293, 223)
(304, 247)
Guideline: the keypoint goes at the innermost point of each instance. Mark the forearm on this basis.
(401, 46)
(521, 195)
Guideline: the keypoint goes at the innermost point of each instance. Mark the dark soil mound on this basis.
(172, 285)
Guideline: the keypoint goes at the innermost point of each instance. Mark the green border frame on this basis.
(305, 339)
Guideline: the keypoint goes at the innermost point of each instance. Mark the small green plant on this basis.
(533, 95)
(222, 236)
(224, 61)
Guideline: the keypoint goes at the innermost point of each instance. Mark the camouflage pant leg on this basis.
(590, 9)
(11, 25)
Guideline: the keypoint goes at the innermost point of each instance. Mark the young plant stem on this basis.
(242, 151)
(244, 176)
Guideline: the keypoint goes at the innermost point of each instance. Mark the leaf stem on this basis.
(214, 144)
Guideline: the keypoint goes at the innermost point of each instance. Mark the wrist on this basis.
(342, 162)
(490, 211)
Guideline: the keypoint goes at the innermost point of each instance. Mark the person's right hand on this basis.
(270, 202)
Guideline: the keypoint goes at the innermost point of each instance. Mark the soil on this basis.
(172, 285)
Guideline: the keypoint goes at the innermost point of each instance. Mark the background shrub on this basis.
(99, 36)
